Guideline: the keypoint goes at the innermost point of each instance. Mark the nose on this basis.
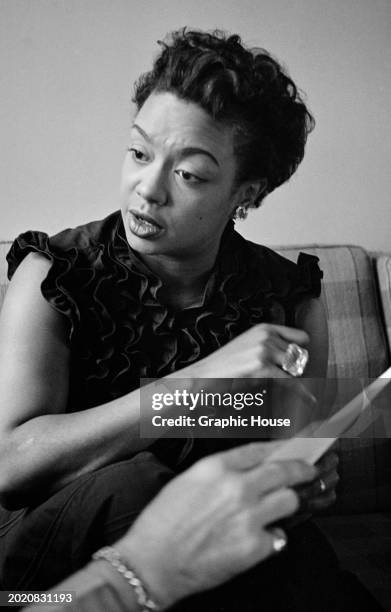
(151, 185)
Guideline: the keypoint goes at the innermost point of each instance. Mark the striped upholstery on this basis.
(358, 349)
(383, 265)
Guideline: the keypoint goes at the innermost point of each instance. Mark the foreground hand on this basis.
(210, 523)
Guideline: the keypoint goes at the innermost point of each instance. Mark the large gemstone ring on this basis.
(295, 360)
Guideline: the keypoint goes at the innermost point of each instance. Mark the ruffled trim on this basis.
(54, 288)
(308, 277)
(121, 332)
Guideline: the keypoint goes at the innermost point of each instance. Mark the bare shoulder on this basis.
(34, 267)
(24, 300)
(29, 275)
(34, 355)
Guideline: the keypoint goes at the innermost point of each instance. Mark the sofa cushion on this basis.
(383, 265)
(358, 348)
(358, 352)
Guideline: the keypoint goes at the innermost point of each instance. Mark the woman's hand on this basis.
(257, 353)
(320, 494)
(211, 522)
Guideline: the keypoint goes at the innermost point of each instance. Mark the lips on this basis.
(143, 225)
(144, 218)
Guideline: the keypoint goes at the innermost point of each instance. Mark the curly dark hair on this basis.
(244, 88)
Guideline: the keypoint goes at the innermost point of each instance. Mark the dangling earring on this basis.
(240, 212)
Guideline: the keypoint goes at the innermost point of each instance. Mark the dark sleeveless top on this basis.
(119, 330)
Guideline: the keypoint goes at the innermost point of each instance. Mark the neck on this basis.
(183, 280)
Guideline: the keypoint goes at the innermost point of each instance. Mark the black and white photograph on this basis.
(195, 305)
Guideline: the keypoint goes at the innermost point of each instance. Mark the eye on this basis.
(188, 177)
(137, 154)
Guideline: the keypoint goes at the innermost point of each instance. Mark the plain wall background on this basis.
(66, 74)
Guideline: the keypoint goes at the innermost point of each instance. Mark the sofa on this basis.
(357, 299)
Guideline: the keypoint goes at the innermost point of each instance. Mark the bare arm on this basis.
(310, 316)
(288, 399)
(39, 444)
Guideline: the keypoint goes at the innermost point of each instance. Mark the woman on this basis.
(166, 286)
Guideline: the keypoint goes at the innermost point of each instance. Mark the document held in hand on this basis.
(311, 443)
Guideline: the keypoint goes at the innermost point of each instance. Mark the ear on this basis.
(249, 192)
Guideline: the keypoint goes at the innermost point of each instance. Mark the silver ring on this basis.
(322, 485)
(295, 359)
(279, 543)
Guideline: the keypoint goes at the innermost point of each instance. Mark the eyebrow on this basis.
(185, 151)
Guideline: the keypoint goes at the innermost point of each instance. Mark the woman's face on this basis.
(177, 179)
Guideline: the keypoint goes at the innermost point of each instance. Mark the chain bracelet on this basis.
(112, 556)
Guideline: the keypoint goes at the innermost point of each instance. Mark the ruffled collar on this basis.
(249, 284)
(226, 267)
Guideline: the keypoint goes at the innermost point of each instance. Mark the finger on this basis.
(264, 543)
(329, 456)
(273, 350)
(328, 463)
(322, 502)
(278, 344)
(318, 489)
(271, 353)
(290, 334)
(248, 456)
(296, 519)
(330, 480)
(274, 475)
(277, 505)
(278, 349)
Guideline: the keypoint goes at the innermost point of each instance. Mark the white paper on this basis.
(311, 443)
